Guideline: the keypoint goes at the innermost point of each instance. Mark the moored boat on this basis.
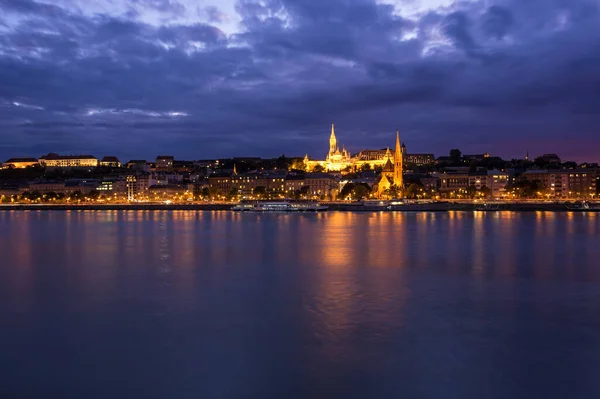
(279, 206)
(583, 206)
(423, 206)
(487, 207)
(374, 205)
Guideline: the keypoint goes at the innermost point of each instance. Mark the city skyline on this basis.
(250, 78)
(319, 153)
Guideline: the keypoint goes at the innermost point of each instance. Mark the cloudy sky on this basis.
(218, 78)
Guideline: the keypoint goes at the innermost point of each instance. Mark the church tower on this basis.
(332, 141)
(398, 178)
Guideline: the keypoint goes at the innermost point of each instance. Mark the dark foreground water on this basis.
(221, 305)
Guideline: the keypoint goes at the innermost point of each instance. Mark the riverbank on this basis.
(116, 207)
(340, 207)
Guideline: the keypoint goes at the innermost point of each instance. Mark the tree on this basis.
(282, 162)
(76, 195)
(394, 191)
(260, 191)
(49, 196)
(414, 190)
(232, 193)
(365, 167)
(214, 192)
(94, 194)
(318, 169)
(473, 166)
(205, 192)
(472, 191)
(455, 155)
(347, 190)
(360, 191)
(297, 164)
(527, 189)
(485, 192)
(301, 193)
(32, 196)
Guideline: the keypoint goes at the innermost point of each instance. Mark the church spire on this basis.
(332, 140)
(398, 166)
(234, 170)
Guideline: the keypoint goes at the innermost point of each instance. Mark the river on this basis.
(186, 304)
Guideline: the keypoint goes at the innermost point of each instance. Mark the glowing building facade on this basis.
(338, 160)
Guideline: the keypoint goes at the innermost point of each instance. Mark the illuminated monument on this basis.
(391, 180)
(338, 160)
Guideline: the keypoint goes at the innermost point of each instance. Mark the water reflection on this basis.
(331, 304)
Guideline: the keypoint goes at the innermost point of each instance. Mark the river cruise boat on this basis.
(279, 206)
(374, 204)
(413, 205)
(583, 206)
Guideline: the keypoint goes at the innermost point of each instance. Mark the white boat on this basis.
(374, 205)
(425, 206)
(279, 206)
(583, 206)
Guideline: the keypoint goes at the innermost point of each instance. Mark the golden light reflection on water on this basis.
(348, 256)
(337, 239)
(352, 294)
(478, 244)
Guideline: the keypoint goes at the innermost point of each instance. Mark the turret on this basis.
(388, 154)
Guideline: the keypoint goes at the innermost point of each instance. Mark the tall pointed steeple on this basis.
(332, 140)
(234, 170)
(398, 166)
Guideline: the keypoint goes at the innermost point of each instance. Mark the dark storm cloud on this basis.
(497, 21)
(483, 77)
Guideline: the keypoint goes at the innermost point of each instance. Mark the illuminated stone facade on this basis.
(338, 160)
(68, 161)
(21, 163)
(391, 180)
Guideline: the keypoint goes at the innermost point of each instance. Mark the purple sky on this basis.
(260, 78)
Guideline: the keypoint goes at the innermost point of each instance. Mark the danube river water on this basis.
(184, 304)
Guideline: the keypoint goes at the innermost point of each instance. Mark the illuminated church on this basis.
(391, 165)
(336, 159)
(391, 180)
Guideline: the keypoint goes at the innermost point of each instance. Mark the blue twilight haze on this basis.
(216, 78)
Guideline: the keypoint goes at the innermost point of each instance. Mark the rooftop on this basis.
(52, 157)
(24, 159)
(110, 159)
